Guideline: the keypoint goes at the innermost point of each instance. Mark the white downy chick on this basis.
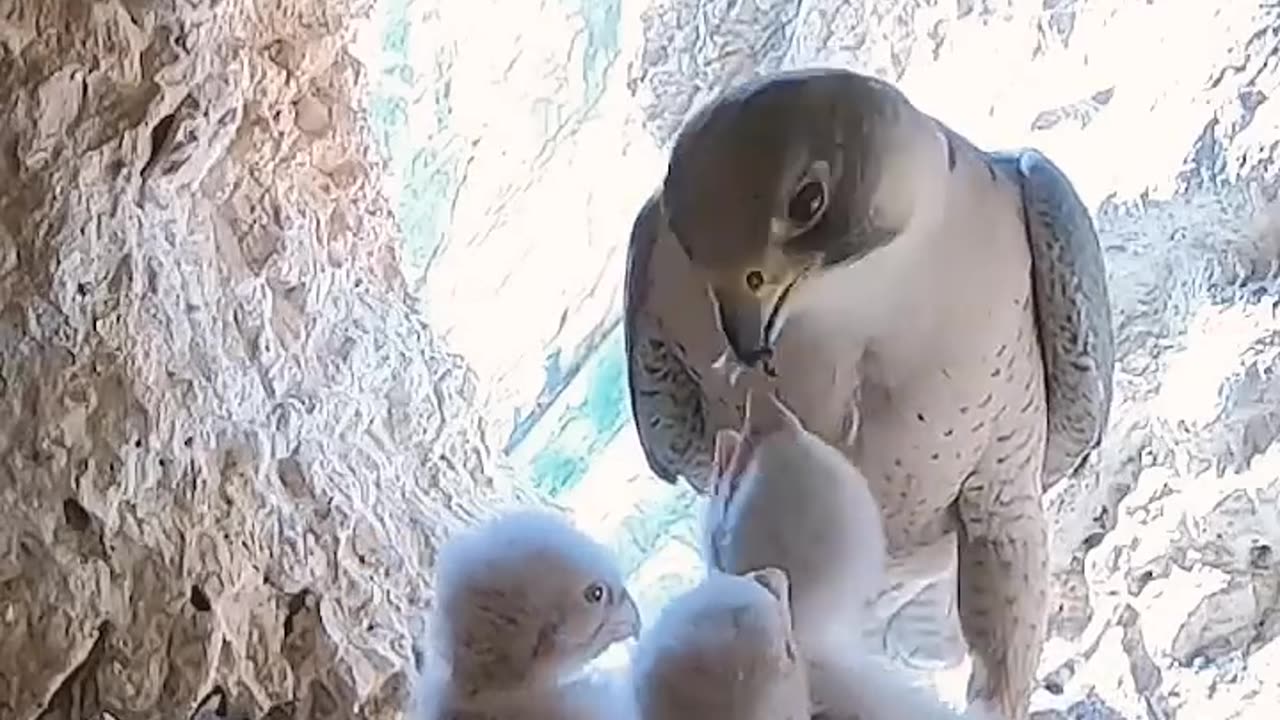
(724, 650)
(783, 497)
(524, 602)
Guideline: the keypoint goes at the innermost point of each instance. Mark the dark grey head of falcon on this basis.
(776, 182)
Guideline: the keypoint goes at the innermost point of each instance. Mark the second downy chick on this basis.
(723, 650)
(783, 497)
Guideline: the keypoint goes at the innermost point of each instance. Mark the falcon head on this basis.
(781, 181)
(525, 599)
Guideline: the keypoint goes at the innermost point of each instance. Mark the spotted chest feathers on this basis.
(978, 425)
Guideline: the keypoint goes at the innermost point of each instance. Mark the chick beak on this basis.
(625, 623)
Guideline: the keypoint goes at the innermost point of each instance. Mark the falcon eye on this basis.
(807, 204)
(755, 279)
(594, 593)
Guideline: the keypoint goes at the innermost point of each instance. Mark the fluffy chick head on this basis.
(774, 441)
(782, 497)
(524, 600)
(723, 650)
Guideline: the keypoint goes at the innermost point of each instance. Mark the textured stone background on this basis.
(228, 441)
(284, 293)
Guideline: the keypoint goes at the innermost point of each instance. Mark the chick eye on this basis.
(755, 279)
(807, 204)
(594, 593)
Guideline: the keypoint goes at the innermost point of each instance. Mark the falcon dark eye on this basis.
(594, 593)
(807, 204)
(755, 279)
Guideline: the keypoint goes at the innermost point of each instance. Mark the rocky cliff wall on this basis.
(228, 441)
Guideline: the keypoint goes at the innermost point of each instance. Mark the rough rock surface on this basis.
(228, 441)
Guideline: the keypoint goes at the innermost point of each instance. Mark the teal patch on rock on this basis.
(608, 402)
(429, 174)
(603, 18)
(428, 188)
(581, 429)
(557, 469)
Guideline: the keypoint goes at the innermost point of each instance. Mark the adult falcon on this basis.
(939, 312)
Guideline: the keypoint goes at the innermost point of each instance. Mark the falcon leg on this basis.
(1003, 584)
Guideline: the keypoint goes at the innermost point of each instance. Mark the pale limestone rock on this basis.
(228, 444)
(1168, 585)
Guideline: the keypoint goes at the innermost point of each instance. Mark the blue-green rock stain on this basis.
(429, 174)
(584, 428)
(603, 18)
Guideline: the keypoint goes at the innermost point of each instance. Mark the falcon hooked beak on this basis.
(752, 304)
